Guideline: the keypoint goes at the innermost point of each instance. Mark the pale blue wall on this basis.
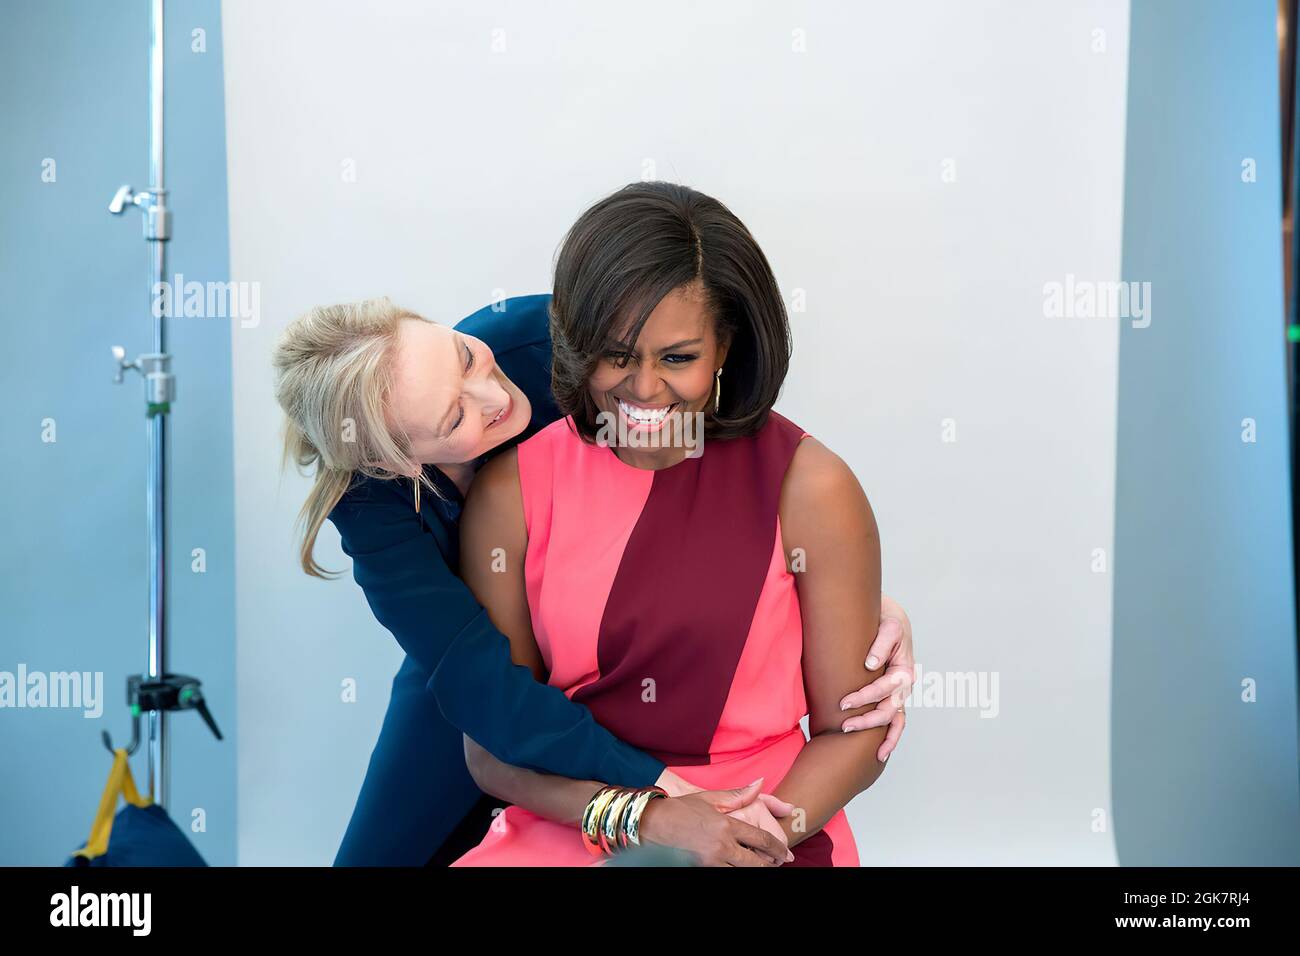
(1203, 580)
(74, 88)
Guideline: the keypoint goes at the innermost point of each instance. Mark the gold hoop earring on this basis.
(416, 482)
(717, 390)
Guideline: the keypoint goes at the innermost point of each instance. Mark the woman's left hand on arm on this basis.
(893, 644)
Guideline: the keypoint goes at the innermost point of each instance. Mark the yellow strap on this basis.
(120, 783)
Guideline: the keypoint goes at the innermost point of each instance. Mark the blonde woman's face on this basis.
(449, 395)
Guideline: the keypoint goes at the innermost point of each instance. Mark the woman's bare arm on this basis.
(555, 798)
(825, 512)
(493, 541)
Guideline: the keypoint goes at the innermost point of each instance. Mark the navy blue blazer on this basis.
(409, 572)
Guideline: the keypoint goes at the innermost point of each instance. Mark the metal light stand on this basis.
(162, 692)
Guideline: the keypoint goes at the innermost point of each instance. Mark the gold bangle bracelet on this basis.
(584, 823)
(632, 824)
(591, 816)
(631, 820)
(612, 821)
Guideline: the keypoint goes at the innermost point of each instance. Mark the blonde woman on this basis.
(395, 414)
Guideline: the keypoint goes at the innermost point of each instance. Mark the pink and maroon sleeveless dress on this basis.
(661, 600)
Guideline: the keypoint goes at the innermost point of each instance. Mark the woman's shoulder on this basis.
(823, 508)
(494, 502)
(501, 469)
(817, 479)
(531, 455)
(549, 440)
(767, 452)
(521, 479)
(778, 431)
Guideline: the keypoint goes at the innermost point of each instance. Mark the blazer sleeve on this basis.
(436, 619)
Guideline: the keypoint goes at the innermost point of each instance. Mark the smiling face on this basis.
(449, 396)
(670, 370)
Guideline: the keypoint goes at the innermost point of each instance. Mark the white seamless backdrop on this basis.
(915, 172)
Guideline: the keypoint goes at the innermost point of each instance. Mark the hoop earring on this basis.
(416, 483)
(717, 390)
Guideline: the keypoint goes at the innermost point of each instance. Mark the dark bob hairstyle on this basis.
(631, 249)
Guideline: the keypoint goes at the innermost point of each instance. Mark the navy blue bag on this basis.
(142, 833)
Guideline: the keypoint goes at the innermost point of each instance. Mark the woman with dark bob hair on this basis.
(700, 595)
(630, 251)
(383, 403)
